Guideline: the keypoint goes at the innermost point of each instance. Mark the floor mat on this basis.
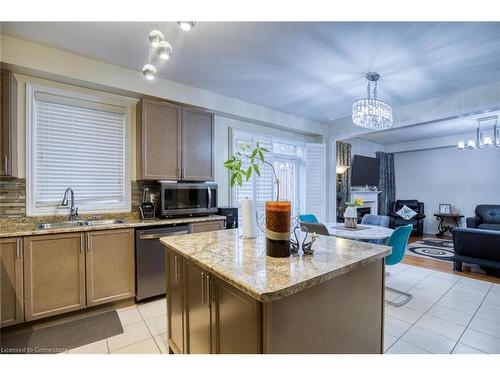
(433, 248)
(63, 336)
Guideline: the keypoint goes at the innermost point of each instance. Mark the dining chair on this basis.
(308, 218)
(398, 242)
(378, 220)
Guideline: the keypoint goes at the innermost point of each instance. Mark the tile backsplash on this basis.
(13, 196)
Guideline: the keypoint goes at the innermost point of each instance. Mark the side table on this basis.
(447, 222)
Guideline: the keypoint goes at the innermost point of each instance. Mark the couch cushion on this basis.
(490, 213)
(412, 203)
(489, 226)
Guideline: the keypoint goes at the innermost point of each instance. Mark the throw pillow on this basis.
(406, 213)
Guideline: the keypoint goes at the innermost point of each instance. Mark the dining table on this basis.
(362, 232)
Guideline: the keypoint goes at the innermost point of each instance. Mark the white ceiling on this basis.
(312, 70)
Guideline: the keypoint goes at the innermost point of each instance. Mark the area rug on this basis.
(64, 336)
(434, 248)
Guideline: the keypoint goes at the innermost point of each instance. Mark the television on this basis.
(364, 171)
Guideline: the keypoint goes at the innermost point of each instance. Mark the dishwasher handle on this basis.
(160, 235)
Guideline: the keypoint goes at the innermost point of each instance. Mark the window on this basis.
(78, 141)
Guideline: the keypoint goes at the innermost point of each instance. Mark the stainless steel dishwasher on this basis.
(150, 260)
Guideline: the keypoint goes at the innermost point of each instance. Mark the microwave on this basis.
(187, 199)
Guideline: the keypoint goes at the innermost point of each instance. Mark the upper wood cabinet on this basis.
(54, 274)
(174, 142)
(11, 283)
(197, 145)
(5, 123)
(159, 135)
(110, 267)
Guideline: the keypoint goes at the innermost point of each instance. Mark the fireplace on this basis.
(362, 211)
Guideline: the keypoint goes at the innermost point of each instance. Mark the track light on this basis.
(149, 71)
(155, 37)
(186, 25)
(164, 50)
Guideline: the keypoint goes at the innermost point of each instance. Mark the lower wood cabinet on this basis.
(54, 274)
(11, 283)
(109, 264)
(70, 271)
(207, 315)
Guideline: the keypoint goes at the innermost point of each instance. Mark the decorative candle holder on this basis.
(278, 216)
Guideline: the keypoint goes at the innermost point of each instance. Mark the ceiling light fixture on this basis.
(186, 25)
(369, 112)
(155, 37)
(164, 50)
(483, 140)
(149, 71)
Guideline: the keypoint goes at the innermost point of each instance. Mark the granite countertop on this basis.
(11, 228)
(243, 263)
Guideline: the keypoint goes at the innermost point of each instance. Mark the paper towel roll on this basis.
(248, 217)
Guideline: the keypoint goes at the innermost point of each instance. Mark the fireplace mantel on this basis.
(369, 198)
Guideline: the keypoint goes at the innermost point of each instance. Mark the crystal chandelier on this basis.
(483, 139)
(372, 113)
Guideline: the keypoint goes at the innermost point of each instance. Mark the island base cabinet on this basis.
(175, 302)
(344, 315)
(54, 274)
(11, 283)
(110, 267)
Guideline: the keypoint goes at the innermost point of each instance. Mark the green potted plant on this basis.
(278, 213)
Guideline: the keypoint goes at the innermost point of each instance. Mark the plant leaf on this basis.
(240, 179)
(264, 149)
(248, 173)
(256, 169)
(261, 155)
(233, 179)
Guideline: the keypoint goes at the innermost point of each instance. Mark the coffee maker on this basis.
(147, 206)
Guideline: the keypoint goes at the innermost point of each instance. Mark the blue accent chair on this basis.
(379, 220)
(308, 218)
(398, 242)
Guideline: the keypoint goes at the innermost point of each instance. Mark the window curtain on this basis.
(386, 184)
(344, 179)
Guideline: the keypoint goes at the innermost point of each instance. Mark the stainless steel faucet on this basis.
(73, 211)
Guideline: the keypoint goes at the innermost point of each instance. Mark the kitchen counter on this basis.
(243, 263)
(11, 228)
(225, 295)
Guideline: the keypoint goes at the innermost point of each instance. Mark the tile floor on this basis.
(448, 314)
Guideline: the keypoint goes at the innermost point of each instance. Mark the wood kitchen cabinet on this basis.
(159, 141)
(206, 226)
(174, 142)
(207, 315)
(197, 145)
(175, 302)
(11, 283)
(5, 123)
(109, 264)
(54, 274)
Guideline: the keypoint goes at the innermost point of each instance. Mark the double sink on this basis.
(79, 223)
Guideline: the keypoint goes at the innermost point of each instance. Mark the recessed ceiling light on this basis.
(155, 37)
(186, 25)
(149, 71)
(164, 50)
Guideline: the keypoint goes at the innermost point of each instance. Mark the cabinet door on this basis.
(160, 146)
(206, 226)
(11, 286)
(54, 274)
(5, 123)
(237, 323)
(175, 302)
(110, 266)
(198, 319)
(197, 145)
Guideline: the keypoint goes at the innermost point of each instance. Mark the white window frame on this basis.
(299, 158)
(105, 99)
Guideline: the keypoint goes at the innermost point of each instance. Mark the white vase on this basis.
(351, 217)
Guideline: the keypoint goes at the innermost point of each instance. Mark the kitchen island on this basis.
(224, 295)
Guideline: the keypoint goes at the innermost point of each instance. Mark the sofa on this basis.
(477, 246)
(417, 221)
(487, 217)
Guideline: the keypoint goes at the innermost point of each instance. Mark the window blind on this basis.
(315, 175)
(78, 144)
